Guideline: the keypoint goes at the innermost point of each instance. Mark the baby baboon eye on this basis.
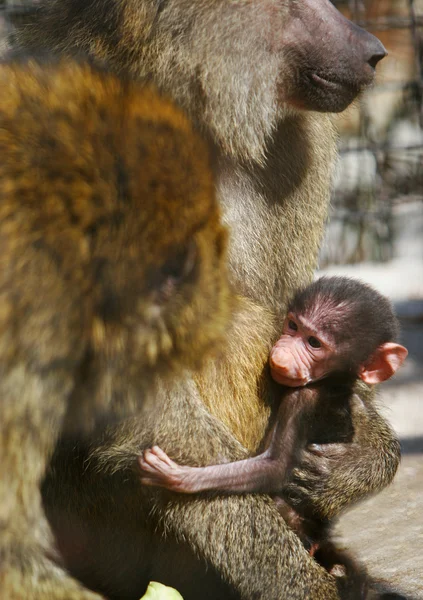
(314, 342)
(292, 325)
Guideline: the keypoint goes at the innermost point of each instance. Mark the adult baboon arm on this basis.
(39, 352)
(250, 546)
(332, 477)
(242, 538)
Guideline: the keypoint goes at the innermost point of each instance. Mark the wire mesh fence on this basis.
(378, 194)
(378, 191)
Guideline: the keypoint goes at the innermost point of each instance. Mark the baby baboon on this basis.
(321, 355)
(112, 272)
(256, 77)
(337, 330)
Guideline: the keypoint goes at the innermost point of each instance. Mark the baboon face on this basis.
(320, 336)
(239, 66)
(236, 66)
(331, 59)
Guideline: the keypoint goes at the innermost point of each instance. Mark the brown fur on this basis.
(103, 187)
(222, 61)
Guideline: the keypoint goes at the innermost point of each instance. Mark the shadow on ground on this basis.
(412, 445)
(381, 592)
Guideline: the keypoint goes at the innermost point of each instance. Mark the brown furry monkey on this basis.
(112, 270)
(256, 77)
(337, 330)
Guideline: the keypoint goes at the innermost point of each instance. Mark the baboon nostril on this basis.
(377, 57)
(375, 51)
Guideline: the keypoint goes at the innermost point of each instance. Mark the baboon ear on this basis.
(384, 363)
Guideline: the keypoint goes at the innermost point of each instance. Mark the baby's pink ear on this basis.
(384, 363)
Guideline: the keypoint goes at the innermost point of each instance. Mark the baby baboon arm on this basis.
(331, 477)
(264, 473)
(256, 474)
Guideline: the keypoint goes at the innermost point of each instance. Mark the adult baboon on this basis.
(112, 269)
(256, 77)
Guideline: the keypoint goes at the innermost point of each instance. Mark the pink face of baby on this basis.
(302, 354)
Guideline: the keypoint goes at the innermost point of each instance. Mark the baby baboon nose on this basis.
(282, 367)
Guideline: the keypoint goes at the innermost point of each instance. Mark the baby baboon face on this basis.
(337, 327)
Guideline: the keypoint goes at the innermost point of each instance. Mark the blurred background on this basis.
(376, 233)
(379, 183)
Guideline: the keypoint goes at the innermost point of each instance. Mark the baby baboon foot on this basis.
(159, 470)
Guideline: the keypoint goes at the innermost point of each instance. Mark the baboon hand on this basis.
(158, 470)
(318, 461)
(318, 465)
(327, 452)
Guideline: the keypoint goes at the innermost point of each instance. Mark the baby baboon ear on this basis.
(384, 363)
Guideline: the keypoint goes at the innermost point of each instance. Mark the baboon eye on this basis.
(314, 342)
(179, 269)
(181, 264)
(292, 325)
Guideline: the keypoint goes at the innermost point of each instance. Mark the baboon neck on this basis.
(276, 211)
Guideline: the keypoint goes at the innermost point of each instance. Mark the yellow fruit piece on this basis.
(158, 591)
